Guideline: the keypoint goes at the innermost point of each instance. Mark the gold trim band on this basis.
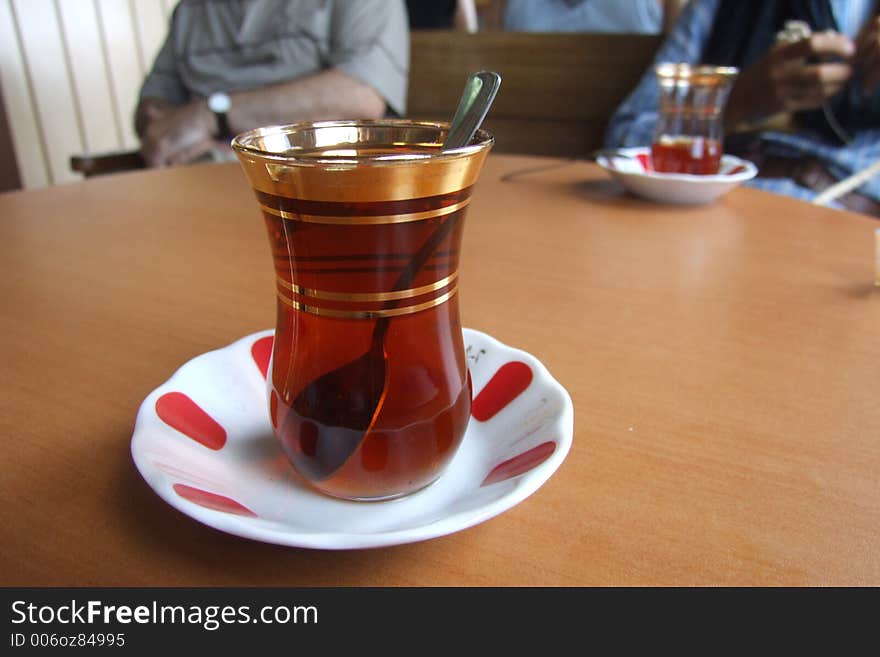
(367, 314)
(358, 220)
(367, 296)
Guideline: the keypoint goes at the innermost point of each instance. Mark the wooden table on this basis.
(724, 363)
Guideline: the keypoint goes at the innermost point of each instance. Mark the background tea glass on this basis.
(689, 134)
(369, 392)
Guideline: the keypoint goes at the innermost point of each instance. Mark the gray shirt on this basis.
(235, 45)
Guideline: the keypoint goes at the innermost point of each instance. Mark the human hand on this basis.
(176, 135)
(148, 111)
(792, 77)
(867, 57)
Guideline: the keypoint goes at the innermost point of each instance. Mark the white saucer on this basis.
(223, 466)
(631, 166)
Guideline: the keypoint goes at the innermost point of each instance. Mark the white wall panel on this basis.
(91, 77)
(20, 111)
(168, 7)
(71, 71)
(117, 23)
(49, 74)
(151, 22)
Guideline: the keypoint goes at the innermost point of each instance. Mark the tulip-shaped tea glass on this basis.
(689, 135)
(369, 392)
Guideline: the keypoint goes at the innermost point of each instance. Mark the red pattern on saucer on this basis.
(212, 500)
(504, 386)
(179, 411)
(262, 352)
(521, 463)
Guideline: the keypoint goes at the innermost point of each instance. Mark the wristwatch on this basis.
(219, 103)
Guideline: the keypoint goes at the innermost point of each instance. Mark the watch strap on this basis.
(223, 131)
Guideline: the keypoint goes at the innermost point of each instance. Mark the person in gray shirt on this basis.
(232, 65)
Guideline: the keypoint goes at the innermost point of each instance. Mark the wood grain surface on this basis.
(724, 363)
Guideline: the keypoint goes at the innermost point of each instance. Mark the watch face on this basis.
(219, 103)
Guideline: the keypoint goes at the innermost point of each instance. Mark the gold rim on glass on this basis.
(244, 143)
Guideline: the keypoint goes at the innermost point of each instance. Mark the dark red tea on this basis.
(332, 278)
(695, 155)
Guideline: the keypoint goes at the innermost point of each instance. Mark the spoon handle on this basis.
(477, 97)
(479, 92)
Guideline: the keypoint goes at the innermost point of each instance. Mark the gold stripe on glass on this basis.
(358, 220)
(367, 314)
(368, 296)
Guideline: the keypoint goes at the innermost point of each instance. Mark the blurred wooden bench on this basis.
(97, 164)
(557, 91)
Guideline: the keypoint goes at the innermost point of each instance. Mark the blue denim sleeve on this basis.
(632, 124)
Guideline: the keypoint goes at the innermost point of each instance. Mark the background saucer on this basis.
(203, 442)
(631, 167)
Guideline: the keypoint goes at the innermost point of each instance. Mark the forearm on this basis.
(148, 110)
(330, 94)
(175, 134)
